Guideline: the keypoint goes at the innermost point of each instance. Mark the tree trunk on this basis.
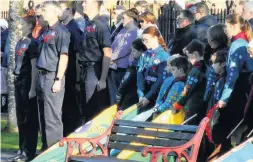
(14, 36)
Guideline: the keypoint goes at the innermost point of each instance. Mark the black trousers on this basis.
(93, 101)
(71, 112)
(114, 78)
(27, 119)
(232, 114)
(50, 109)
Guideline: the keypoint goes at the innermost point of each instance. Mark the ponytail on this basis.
(247, 29)
(162, 43)
(244, 24)
(154, 31)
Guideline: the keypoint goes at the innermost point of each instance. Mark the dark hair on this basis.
(30, 20)
(218, 35)
(70, 5)
(133, 13)
(195, 46)
(202, 7)
(153, 31)
(138, 45)
(180, 62)
(219, 56)
(188, 15)
(244, 24)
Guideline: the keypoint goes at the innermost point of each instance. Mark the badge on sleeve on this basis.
(157, 61)
(22, 49)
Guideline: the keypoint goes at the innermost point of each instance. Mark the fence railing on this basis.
(167, 16)
(4, 15)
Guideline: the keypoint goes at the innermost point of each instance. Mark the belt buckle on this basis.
(42, 72)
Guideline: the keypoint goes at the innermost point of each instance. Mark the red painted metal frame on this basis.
(78, 142)
(180, 151)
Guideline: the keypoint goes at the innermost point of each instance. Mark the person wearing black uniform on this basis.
(52, 64)
(95, 56)
(70, 110)
(26, 105)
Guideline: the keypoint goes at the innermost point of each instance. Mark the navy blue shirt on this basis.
(26, 49)
(55, 42)
(97, 37)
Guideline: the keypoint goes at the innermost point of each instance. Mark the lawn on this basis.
(9, 141)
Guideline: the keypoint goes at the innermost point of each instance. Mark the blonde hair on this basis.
(244, 24)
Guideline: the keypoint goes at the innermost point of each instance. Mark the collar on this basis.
(70, 22)
(183, 79)
(156, 50)
(54, 26)
(241, 35)
(131, 26)
(198, 64)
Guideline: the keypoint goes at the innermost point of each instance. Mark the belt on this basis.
(43, 72)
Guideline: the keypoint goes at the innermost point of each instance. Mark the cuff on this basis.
(177, 106)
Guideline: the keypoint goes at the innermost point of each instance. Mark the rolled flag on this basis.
(145, 115)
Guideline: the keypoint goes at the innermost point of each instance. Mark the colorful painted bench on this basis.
(158, 140)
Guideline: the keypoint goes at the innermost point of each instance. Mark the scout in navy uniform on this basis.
(25, 72)
(151, 68)
(191, 99)
(239, 66)
(70, 111)
(173, 86)
(95, 56)
(127, 91)
(214, 87)
(52, 64)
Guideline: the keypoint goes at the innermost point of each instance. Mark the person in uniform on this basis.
(173, 86)
(127, 91)
(52, 64)
(71, 112)
(25, 95)
(191, 99)
(94, 60)
(214, 90)
(239, 66)
(151, 68)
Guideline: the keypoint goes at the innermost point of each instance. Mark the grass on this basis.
(9, 141)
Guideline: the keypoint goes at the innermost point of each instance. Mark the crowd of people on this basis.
(71, 65)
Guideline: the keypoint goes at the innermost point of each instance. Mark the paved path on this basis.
(6, 155)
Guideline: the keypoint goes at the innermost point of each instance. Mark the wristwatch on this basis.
(57, 79)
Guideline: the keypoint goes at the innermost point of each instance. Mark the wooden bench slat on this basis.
(156, 133)
(183, 128)
(146, 141)
(125, 146)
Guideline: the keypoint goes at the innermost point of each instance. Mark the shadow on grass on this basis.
(9, 141)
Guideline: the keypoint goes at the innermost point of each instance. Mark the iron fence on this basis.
(4, 15)
(167, 16)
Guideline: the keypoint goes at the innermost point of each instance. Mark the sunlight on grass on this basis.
(9, 141)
